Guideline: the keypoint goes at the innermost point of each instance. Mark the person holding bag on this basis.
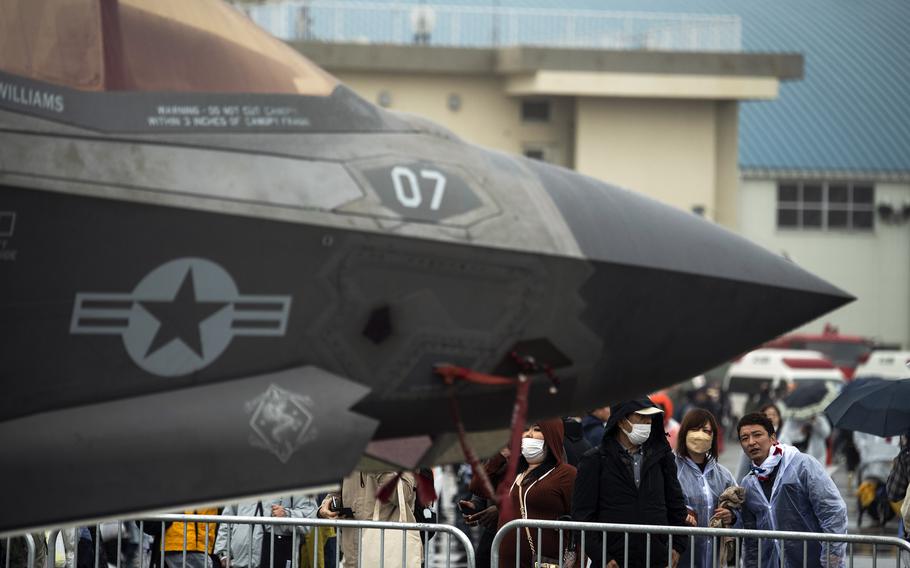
(541, 490)
(703, 480)
(281, 536)
(358, 500)
(246, 540)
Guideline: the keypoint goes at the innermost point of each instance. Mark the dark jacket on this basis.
(605, 492)
(593, 429)
(574, 441)
(896, 486)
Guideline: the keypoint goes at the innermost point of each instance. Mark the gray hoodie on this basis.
(242, 535)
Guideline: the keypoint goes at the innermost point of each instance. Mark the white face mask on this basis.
(639, 434)
(533, 450)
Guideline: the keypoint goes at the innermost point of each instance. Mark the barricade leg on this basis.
(30, 550)
(670, 552)
(119, 542)
(692, 550)
(51, 549)
(648, 550)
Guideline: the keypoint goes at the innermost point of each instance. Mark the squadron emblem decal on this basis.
(281, 421)
(181, 317)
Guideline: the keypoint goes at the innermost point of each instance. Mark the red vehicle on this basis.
(845, 351)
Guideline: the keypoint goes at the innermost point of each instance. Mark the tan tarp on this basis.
(150, 45)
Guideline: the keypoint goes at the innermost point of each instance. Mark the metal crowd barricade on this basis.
(339, 525)
(565, 528)
(29, 547)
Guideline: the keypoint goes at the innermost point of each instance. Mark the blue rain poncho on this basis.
(803, 499)
(702, 490)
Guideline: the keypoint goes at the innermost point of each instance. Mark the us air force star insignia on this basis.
(180, 317)
(281, 421)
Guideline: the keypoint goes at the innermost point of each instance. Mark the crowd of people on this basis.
(629, 463)
(631, 474)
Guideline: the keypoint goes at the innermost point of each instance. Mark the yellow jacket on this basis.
(195, 534)
(310, 542)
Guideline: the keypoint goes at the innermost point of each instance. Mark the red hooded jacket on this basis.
(547, 495)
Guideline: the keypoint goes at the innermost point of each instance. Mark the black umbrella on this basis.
(809, 399)
(874, 406)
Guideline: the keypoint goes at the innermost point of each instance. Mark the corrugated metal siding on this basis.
(850, 112)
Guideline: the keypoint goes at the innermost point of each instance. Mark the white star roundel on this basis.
(180, 317)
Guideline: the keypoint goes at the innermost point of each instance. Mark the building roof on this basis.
(849, 112)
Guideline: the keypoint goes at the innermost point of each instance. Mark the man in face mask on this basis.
(631, 478)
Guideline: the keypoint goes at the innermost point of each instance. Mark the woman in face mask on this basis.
(542, 490)
(702, 479)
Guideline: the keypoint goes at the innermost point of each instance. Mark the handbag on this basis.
(569, 555)
(392, 543)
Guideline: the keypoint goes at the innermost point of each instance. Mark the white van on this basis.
(774, 371)
(885, 365)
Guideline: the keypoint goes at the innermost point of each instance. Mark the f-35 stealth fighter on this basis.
(223, 273)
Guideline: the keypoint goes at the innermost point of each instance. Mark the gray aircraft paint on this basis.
(450, 303)
(633, 294)
(343, 111)
(166, 449)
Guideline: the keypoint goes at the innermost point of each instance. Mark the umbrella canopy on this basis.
(874, 406)
(809, 399)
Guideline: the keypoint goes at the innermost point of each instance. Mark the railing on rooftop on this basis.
(489, 26)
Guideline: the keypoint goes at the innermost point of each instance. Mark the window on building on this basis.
(545, 151)
(534, 153)
(535, 111)
(835, 205)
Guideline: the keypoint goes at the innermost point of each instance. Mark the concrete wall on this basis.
(873, 266)
(486, 117)
(665, 149)
(726, 164)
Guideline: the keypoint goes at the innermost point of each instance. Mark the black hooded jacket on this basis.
(605, 492)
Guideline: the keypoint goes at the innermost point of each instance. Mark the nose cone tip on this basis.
(620, 226)
(665, 277)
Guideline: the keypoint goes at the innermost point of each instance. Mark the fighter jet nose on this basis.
(672, 283)
(616, 225)
(620, 226)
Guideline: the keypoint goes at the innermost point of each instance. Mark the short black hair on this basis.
(755, 419)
